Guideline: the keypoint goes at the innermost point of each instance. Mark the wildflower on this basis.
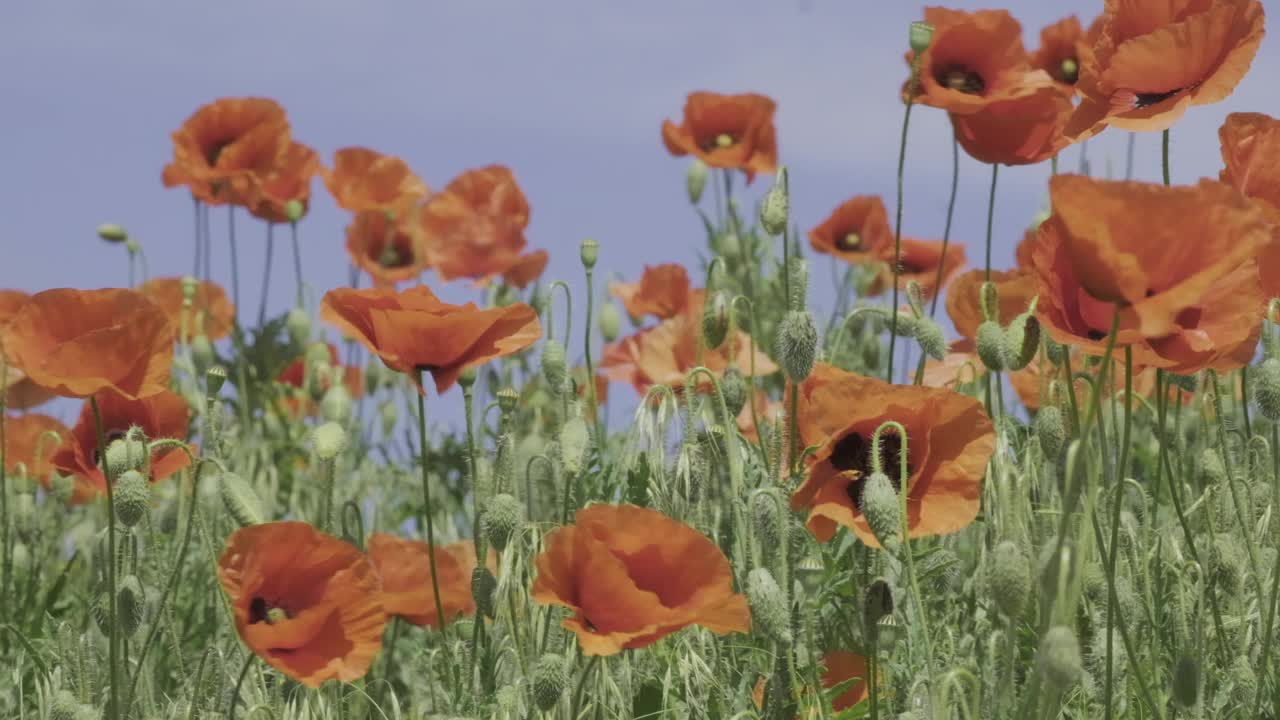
(918, 263)
(363, 179)
(405, 569)
(386, 247)
(283, 193)
(1061, 45)
(1251, 159)
(1020, 131)
(632, 576)
(663, 291)
(27, 444)
(210, 314)
(526, 269)
(857, 231)
(222, 152)
(734, 132)
(475, 227)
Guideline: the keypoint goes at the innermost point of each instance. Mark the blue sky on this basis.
(570, 95)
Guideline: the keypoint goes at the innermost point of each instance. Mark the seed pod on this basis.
(768, 606)
(132, 496)
(796, 344)
(214, 378)
(589, 252)
(1009, 579)
(483, 586)
(695, 180)
(298, 323)
(554, 367)
(238, 497)
(131, 603)
(931, 339)
(550, 676)
(1059, 658)
(881, 507)
(991, 346)
(502, 518)
(920, 35)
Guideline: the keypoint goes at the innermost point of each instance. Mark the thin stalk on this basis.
(426, 506)
(1164, 156)
(946, 229)
(582, 683)
(591, 369)
(235, 263)
(113, 640)
(897, 226)
(266, 274)
(1115, 523)
(477, 536)
(297, 259)
(991, 214)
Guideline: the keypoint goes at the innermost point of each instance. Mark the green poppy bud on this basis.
(1009, 579)
(775, 207)
(294, 210)
(550, 676)
(929, 335)
(335, 406)
(329, 440)
(768, 606)
(695, 180)
(554, 364)
(715, 319)
(132, 496)
(610, 322)
(503, 516)
(734, 388)
(125, 454)
(991, 346)
(112, 233)
(796, 344)
(131, 604)
(298, 323)
(882, 508)
(1058, 659)
(1050, 429)
(202, 353)
(1186, 681)
(574, 441)
(239, 498)
(1266, 388)
(483, 587)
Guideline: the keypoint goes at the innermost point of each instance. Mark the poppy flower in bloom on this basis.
(734, 132)
(20, 393)
(663, 292)
(289, 181)
(526, 269)
(386, 248)
(631, 576)
(10, 301)
(665, 353)
(959, 367)
(1020, 131)
(1061, 45)
(163, 415)
(1014, 288)
(307, 603)
(211, 312)
(973, 60)
(405, 569)
(475, 227)
(27, 444)
(363, 179)
(414, 330)
(919, 263)
(857, 231)
(79, 342)
(950, 440)
(225, 148)
(1156, 58)
(1251, 156)
(839, 666)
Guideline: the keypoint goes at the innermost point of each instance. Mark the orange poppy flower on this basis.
(663, 292)
(579, 375)
(363, 179)
(405, 569)
(919, 263)
(1015, 288)
(306, 602)
(1251, 156)
(225, 148)
(734, 132)
(1269, 267)
(1156, 58)
(839, 666)
(25, 444)
(665, 353)
(1177, 263)
(287, 182)
(960, 366)
(386, 248)
(526, 269)
(20, 393)
(1061, 45)
(10, 301)
(632, 576)
(163, 415)
(475, 227)
(414, 330)
(950, 440)
(1024, 250)
(856, 231)
(211, 311)
(79, 342)
(1020, 131)
(974, 59)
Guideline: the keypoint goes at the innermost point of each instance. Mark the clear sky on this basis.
(570, 95)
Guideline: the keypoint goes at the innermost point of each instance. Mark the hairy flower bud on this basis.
(798, 278)
(1266, 388)
(1050, 429)
(695, 180)
(796, 344)
(554, 364)
(1009, 579)
(131, 604)
(1023, 339)
(734, 388)
(574, 441)
(1055, 351)
(550, 676)
(775, 207)
(335, 406)
(882, 508)
(902, 324)
(989, 302)
(991, 346)
(610, 322)
(66, 706)
(767, 514)
(132, 496)
(239, 498)
(1186, 681)
(715, 319)
(483, 586)
(929, 336)
(768, 606)
(202, 354)
(298, 323)
(125, 454)
(502, 518)
(1059, 658)
(329, 440)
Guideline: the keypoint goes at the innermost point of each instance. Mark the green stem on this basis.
(113, 641)
(1164, 156)
(991, 214)
(235, 263)
(1115, 524)
(477, 535)
(297, 259)
(582, 683)
(591, 369)
(897, 227)
(266, 274)
(426, 506)
(235, 694)
(946, 230)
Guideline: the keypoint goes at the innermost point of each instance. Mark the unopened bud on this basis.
(1059, 658)
(929, 335)
(336, 405)
(1186, 681)
(796, 344)
(1055, 351)
(1212, 469)
(775, 207)
(1266, 388)
(202, 354)
(132, 496)
(589, 252)
(294, 210)
(554, 367)
(1009, 579)
(920, 35)
(329, 440)
(574, 441)
(131, 604)
(730, 245)
(66, 706)
(695, 180)
(112, 233)
(502, 518)
(1186, 382)
(991, 346)
(734, 388)
(767, 514)
(238, 497)
(1023, 339)
(1050, 429)
(483, 585)
(989, 301)
(127, 453)
(902, 324)
(610, 322)
(550, 676)
(298, 323)
(768, 606)
(715, 319)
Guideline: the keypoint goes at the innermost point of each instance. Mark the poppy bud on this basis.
(503, 517)
(388, 414)
(202, 354)
(730, 245)
(66, 706)
(882, 509)
(768, 606)
(298, 323)
(112, 233)
(920, 35)
(796, 344)
(1212, 469)
(132, 496)
(878, 602)
(904, 326)
(550, 677)
(1009, 579)
(294, 210)
(1050, 429)
(589, 252)
(774, 208)
(989, 301)
(1245, 682)
(483, 586)
(695, 180)
(767, 514)
(574, 440)
(715, 320)
(734, 389)
(336, 405)
(929, 335)
(991, 346)
(127, 453)
(1186, 681)
(214, 378)
(21, 558)
(1023, 338)
(131, 605)
(63, 486)
(1059, 658)
(242, 503)
(610, 322)
(1266, 388)
(329, 440)
(1056, 352)
(554, 364)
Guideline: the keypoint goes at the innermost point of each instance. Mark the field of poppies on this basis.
(1067, 509)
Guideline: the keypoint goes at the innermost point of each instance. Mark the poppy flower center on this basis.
(396, 254)
(961, 79)
(906, 267)
(720, 142)
(852, 453)
(262, 611)
(214, 151)
(849, 241)
(1069, 71)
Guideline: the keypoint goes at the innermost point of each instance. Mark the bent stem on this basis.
(897, 226)
(591, 369)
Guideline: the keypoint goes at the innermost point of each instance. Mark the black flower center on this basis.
(395, 254)
(961, 79)
(1141, 100)
(214, 151)
(852, 453)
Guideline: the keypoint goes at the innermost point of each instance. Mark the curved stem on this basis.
(235, 694)
(897, 226)
(591, 370)
(751, 376)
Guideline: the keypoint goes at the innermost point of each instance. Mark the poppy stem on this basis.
(235, 262)
(195, 265)
(946, 229)
(297, 259)
(476, 536)
(912, 84)
(1164, 156)
(991, 214)
(113, 706)
(6, 557)
(235, 694)
(426, 505)
(591, 370)
(266, 274)
(582, 683)
(1115, 522)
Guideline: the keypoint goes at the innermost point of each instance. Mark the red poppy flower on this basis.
(27, 445)
(1251, 158)
(857, 231)
(475, 227)
(163, 415)
(839, 666)
(79, 342)
(405, 569)
(631, 576)
(960, 366)
(386, 248)
(526, 269)
(1014, 288)
(734, 132)
(919, 263)
(1061, 45)
(363, 179)
(289, 181)
(20, 393)
(211, 313)
(950, 440)
(414, 330)
(10, 301)
(1156, 58)
(663, 291)
(307, 603)
(1021, 131)
(295, 376)
(223, 151)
